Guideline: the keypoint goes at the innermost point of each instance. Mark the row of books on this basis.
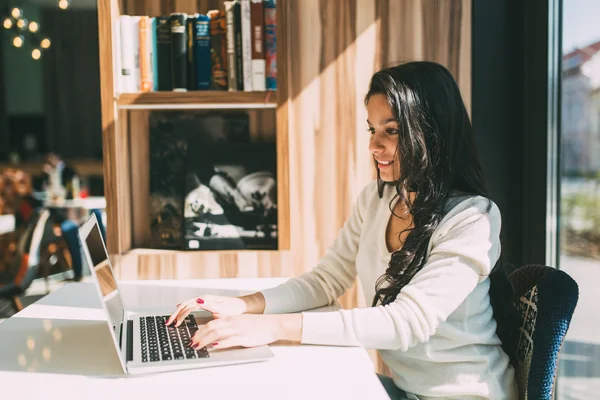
(232, 49)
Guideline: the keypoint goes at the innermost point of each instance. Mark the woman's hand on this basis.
(248, 331)
(218, 305)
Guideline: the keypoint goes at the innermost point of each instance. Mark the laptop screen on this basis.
(105, 278)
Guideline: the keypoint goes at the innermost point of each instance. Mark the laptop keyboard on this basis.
(161, 342)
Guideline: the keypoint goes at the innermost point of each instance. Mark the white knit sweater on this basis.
(438, 337)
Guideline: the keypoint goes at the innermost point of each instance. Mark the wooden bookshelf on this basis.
(125, 127)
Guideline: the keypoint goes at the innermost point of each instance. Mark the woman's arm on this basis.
(465, 249)
(333, 275)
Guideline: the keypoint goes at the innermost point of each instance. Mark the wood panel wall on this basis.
(334, 46)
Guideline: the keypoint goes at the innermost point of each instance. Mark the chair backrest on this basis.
(545, 300)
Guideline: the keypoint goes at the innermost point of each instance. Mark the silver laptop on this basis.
(142, 341)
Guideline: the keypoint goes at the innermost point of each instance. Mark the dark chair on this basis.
(22, 267)
(545, 300)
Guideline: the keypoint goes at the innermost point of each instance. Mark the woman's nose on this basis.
(376, 145)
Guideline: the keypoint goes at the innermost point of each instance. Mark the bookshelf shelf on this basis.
(141, 251)
(196, 100)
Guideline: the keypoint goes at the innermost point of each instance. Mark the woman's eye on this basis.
(371, 130)
(392, 131)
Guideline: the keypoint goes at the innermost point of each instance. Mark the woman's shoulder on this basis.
(465, 209)
(459, 202)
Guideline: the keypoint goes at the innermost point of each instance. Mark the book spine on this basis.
(191, 69)
(154, 63)
(135, 38)
(202, 57)
(163, 50)
(271, 44)
(218, 46)
(258, 46)
(178, 52)
(145, 55)
(127, 54)
(246, 45)
(118, 87)
(239, 58)
(231, 61)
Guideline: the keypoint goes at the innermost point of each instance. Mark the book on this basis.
(191, 69)
(231, 193)
(163, 53)
(232, 81)
(237, 24)
(218, 49)
(270, 44)
(246, 45)
(128, 53)
(145, 55)
(258, 45)
(178, 52)
(154, 45)
(118, 86)
(202, 56)
(168, 147)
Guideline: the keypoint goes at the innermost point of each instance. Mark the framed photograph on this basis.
(231, 191)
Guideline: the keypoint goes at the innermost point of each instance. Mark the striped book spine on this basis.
(271, 44)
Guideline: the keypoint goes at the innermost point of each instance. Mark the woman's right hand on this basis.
(219, 306)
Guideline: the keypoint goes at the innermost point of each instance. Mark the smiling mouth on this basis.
(383, 164)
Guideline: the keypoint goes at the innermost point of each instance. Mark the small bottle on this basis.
(76, 187)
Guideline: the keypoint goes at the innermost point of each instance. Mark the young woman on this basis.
(423, 239)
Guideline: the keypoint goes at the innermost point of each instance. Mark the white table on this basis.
(59, 347)
(89, 203)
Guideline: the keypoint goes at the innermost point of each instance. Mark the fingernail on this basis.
(214, 344)
(199, 301)
(178, 305)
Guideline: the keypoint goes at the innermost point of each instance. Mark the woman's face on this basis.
(384, 137)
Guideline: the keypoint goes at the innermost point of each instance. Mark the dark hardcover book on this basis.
(271, 43)
(202, 58)
(231, 191)
(218, 49)
(163, 53)
(232, 71)
(239, 57)
(179, 52)
(191, 69)
(168, 147)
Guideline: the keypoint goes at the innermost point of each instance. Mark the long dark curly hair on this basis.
(437, 157)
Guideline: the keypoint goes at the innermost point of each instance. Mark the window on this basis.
(579, 368)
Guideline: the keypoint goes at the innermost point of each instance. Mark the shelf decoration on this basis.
(23, 32)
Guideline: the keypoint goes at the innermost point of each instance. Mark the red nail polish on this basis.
(199, 301)
(216, 343)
